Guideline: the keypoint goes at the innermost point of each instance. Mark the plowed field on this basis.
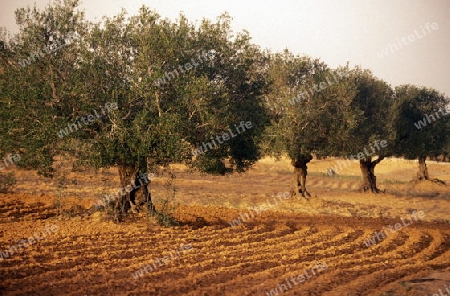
(266, 253)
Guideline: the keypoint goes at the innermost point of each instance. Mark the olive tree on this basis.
(373, 135)
(311, 112)
(135, 92)
(421, 124)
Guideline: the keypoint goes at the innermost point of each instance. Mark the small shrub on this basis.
(164, 216)
(61, 185)
(7, 182)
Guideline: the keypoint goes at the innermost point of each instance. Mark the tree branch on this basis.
(379, 159)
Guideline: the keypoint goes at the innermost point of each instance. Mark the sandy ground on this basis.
(236, 236)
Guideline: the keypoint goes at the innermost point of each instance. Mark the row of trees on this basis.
(298, 106)
(339, 112)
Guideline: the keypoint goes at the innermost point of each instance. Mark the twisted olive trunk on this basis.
(369, 180)
(422, 174)
(131, 184)
(300, 173)
(123, 204)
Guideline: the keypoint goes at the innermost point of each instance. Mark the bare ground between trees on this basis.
(88, 256)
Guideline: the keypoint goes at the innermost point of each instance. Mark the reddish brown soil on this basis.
(88, 255)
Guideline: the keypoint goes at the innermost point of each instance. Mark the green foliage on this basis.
(310, 107)
(165, 121)
(37, 98)
(374, 101)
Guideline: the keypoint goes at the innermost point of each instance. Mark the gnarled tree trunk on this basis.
(300, 172)
(123, 204)
(422, 174)
(132, 183)
(369, 180)
(141, 181)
